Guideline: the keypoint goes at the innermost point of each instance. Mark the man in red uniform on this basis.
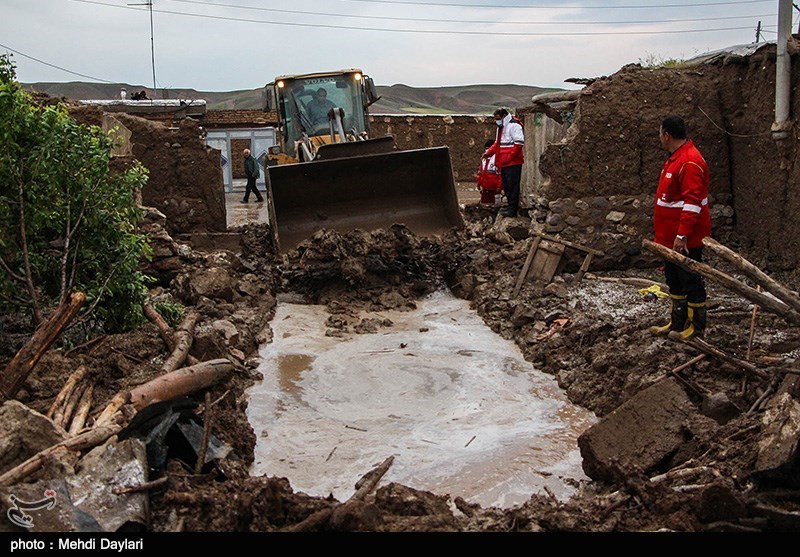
(682, 219)
(508, 154)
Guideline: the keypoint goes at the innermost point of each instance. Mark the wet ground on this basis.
(459, 407)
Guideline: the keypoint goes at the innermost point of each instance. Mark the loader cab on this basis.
(303, 103)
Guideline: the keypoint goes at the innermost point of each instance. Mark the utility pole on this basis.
(758, 32)
(149, 5)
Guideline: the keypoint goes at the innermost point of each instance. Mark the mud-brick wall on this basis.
(613, 150)
(185, 178)
(464, 135)
(184, 175)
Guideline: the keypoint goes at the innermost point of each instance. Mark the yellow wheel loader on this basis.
(326, 171)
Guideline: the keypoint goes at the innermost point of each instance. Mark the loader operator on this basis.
(319, 107)
(682, 219)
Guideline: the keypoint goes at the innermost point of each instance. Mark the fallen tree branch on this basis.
(207, 417)
(767, 302)
(46, 333)
(66, 390)
(769, 284)
(146, 486)
(82, 411)
(703, 346)
(184, 335)
(63, 416)
(165, 332)
(364, 487)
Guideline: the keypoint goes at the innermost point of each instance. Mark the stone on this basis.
(228, 331)
(615, 216)
(778, 446)
(640, 434)
(214, 283)
(562, 205)
(582, 205)
(718, 407)
(555, 289)
(23, 433)
(573, 220)
(554, 219)
(719, 502)
(600, 202)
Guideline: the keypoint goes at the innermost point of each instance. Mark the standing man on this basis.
(252, 173)
(682, 219)
(509, 157)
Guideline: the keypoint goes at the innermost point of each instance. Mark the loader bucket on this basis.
(415, 188)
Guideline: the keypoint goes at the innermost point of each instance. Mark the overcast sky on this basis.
(415, 42)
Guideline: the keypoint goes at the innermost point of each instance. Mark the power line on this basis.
(558, 7)
(53, 65)
(420, 31)
(484, 22)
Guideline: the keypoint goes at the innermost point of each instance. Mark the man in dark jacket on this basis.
(252, 173)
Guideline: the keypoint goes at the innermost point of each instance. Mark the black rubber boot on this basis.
(696, 322)
(679, 315)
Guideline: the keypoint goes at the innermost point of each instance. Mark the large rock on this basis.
(778, 448)
(215, 283)
(641, 433)
(23, 433)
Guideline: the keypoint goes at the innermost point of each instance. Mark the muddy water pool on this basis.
(457, 405)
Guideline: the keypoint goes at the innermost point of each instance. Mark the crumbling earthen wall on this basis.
(464, 135)
(185, 177)
(599, 183)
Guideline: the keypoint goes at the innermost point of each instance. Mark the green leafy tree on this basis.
(66, 221)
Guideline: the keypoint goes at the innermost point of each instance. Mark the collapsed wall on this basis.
(598, 183)
(465, 136)
(185, 177)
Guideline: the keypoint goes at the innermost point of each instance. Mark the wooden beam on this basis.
(568, 243)
(526, 267)
(46, 333)
(758, 276)
(767, 302)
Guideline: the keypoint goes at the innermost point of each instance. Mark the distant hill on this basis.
(395, 99)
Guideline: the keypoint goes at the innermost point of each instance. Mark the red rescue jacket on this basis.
(507, 148)
(489, 179)
(681, 204)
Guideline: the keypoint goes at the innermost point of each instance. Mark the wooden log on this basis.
(370, 480)
(46, 333)
(63, 417)
(82, 411)
(767, 302)
(584, 267)
(74, 378)
(87, 440)
(117, 401)
(703, 346)
(207, 417)
(787, 296)
(164, 330)
(526, 267)
(180, 382)
(570, 244)
(184, 335)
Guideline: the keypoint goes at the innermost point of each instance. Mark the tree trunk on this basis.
(66, 390)
(181, 382)
(46, 333)
(767, 302)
